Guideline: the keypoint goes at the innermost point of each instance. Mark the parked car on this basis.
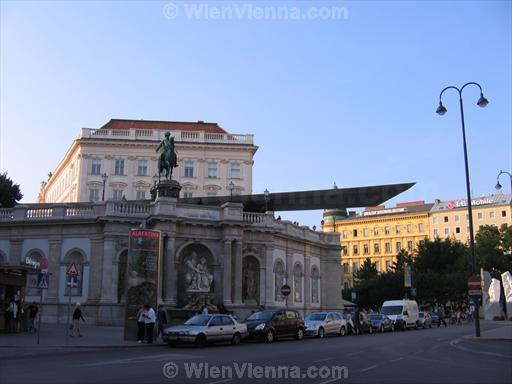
(325, 323)
(404, 313)
(270, 325)
(381, 322)
(424, 320)
(204, 329)
(434, 317)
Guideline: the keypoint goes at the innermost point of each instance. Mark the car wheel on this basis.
(200, 340)
(236, 339)
(343, 331)
(321, 333)
(382, 329)
(300, 334)
(270, 336)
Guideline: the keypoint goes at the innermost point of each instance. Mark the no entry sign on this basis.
(285, 290)
(474, 286)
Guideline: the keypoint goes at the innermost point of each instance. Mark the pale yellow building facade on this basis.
(451, 219)
(379, 233)
(119, 161)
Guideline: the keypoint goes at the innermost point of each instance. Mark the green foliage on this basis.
(440, 270)
(10, 193)
(367, 271)
(493, 249)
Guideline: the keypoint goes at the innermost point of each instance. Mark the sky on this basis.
(345, 92)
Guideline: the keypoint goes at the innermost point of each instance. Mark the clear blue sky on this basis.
(350, 100)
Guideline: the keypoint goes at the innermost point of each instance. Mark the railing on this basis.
(6, 214)
(39, 213)
(128, 208)
(79, 211)
(254, 218)
(155, 134)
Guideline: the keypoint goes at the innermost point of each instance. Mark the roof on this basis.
(309, 200)
(476, 202)
(199, 126)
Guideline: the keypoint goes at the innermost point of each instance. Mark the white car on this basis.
(403, 313)
(325, 323)
(204, 329)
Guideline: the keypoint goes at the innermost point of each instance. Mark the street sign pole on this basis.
(475, 291)
(40, 315)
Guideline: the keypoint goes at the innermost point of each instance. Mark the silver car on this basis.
(324, 323)
(204, 329)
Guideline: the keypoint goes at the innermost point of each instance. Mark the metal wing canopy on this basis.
(309, 200)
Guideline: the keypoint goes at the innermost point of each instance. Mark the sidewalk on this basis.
(53, 338)
(502, 333)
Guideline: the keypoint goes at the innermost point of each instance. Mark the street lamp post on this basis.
(498, 185)
(441, 110)
(231, 186)
(266, 194)
(104, 177)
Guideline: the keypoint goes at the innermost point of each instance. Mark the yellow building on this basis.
(378, 233)
(450, 218)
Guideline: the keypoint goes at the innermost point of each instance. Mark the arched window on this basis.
(297, 283)
(315, 285)
(278, 280)
(77, 258)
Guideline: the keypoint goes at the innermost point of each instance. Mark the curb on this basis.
(487, 339)
(42, 347)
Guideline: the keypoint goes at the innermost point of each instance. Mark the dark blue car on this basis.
(381, 322)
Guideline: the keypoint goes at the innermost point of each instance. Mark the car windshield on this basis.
(375, 317)
(316, 317)
(263, 315)
(392, 310)
(200, 320)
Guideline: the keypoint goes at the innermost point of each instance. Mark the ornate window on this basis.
(142, 168)
(278, 280)
(315, 285)
(212, 170)
(189, 169)
(235, 171)
(119, 167)
(297, 283)
(96, 166)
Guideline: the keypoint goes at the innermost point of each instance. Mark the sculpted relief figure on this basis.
(198, 278)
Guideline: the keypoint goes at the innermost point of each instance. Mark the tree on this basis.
(10, 193)
(367, 271)
(493, 248)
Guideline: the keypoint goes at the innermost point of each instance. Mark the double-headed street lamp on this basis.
(498, 185)
(104, 177)
(441, 110)
(266, 194)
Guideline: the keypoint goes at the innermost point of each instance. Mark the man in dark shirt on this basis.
(33, 310)
(77, 315)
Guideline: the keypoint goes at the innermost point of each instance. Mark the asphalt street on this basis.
(414, 356)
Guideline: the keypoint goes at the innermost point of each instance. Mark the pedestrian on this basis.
(161, 320)
(10, 316)
(19, 316)
(77, 316)
(440, 315)
(357, 320)
(149, 321)
(33, 309)
(204, 310)
(141, 326)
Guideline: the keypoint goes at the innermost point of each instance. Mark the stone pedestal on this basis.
(166, 188)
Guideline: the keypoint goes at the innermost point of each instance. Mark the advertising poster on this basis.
(142, 277)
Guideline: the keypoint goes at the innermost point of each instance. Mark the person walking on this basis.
(33, 310)
(10, 316)
(161, 320)
(440, 315)
(141, 326)
(149, 321)
(77, 316)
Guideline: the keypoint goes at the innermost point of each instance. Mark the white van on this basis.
(403, 313)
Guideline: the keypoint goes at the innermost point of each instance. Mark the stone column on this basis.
(227, 272)
(269, 275)
(106, 273)
(307, 278)
(96, 269)
(15, 252)
(238, 272)
(170, 275)
(55, 247)
(289, 278)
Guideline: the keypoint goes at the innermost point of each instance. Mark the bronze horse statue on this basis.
(168, 159)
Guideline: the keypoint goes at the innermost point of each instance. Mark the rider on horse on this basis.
(168, 159)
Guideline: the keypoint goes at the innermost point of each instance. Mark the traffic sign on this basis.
(285, 290)
(474, 283)
(475, 292)
(43, 264)
(72, 281)
(42, 281)
(72, 270)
